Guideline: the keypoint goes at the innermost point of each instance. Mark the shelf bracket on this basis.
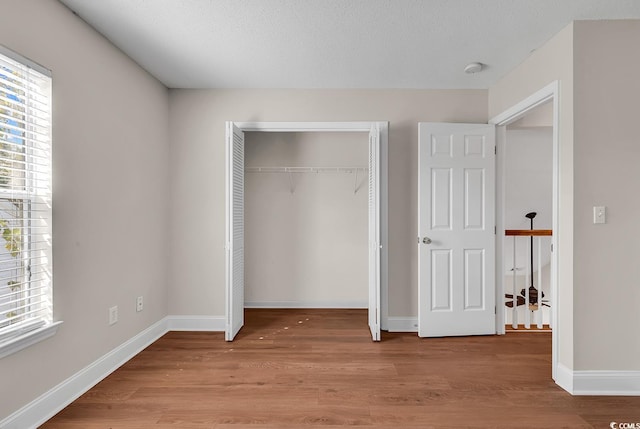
(355, 184)
(291, 185)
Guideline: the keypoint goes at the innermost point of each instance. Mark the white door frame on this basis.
(512, 114)
(364, 127)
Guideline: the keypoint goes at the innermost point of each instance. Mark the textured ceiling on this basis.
(335, 43)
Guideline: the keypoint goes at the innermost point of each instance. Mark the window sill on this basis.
(18, 343)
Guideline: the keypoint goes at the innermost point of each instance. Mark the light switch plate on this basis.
(599, 214)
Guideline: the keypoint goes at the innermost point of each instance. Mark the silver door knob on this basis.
(426, 240)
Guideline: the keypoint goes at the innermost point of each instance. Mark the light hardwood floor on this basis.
(301, 368)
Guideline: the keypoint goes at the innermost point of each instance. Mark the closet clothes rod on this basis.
(305, 169)
(290, 170)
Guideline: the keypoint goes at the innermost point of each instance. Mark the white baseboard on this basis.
(564, 378)
(47, 405)
(613, 383)
(600, 383)
(306, 304)
(402, 324)
(196, 323)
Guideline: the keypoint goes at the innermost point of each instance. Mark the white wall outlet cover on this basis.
(599, 214)
(113, 315)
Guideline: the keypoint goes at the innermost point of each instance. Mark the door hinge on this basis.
(495, 150)
(495, 230)
(552, 247)
(495, 309)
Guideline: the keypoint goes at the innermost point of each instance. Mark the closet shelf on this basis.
(305, 169)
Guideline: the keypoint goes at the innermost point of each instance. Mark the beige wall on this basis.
(110, 162)
(607, 156)
(551, 62)
(528, 178)
(599, 155)
(198, 174)
(306, 248)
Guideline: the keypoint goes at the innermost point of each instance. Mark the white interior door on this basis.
(456, 227)
(234, 231)
(374, 232)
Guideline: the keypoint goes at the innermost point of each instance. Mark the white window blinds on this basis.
(25, 197)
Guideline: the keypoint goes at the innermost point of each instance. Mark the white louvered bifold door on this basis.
(374, 233)
(235, 231)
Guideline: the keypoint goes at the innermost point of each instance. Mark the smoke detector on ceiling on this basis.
(473, 68)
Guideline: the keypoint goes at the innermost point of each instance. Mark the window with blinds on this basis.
(25, 198)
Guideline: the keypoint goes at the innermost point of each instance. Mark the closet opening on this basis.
(306, 219)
